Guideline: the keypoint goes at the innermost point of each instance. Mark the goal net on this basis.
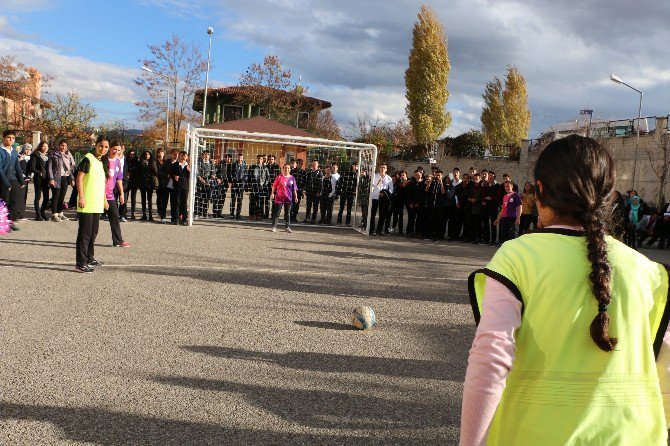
(232, 173)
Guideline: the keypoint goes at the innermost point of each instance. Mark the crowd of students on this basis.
(472, 207)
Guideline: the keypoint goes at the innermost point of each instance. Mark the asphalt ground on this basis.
(227, 334)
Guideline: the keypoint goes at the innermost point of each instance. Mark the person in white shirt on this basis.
(334, 177)
(382, 188)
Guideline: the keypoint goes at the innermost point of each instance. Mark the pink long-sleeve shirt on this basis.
(492, 355)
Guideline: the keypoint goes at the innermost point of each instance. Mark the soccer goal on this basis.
(226, 183)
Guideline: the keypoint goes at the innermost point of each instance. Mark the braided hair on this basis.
(576, 176)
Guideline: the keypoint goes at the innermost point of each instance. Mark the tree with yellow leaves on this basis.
(505, 115)
(426, 78)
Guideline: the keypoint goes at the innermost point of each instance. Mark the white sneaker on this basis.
(289, 230)
(54, 217)
(62, 217)
(274, 229)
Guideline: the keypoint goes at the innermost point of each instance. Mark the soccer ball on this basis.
(363, 318)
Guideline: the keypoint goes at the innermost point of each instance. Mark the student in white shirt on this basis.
(380, 200)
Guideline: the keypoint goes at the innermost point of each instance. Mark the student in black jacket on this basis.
(37, 167)
(312, 188)
(180, 176)
(274, 170)
(346, 189)
(326, 198)
(238, 179)
(300, 176)
(414, 198)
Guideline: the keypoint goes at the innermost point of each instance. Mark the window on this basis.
(232, 112)
(303, 120)
(263, 112)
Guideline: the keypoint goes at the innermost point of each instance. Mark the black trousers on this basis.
(276, 209)
(411, 219)
(326, 209)
(257, 202)
(456, 224)
(398, 216)
(381, 205)
(183, 204)
(162, 200)
(12, 196)
(219, 198)
(123, 209)
(312, 206)
(203, 194)
(437, 219)
(507, 227)
(133, 200)
(147, 201)
(41, 193)
(526, 220)
(348, 202)
(113, 214)
(88, 231)
(296, 207)
(476, 224)
(174, 205)
(64, 183)
(236, 197)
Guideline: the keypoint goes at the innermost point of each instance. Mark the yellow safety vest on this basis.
(562, 389)
(94, 187)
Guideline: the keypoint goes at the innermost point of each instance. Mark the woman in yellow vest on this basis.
(571, 322)
(91, 203)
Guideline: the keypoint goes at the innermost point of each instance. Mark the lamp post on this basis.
(167, 110)
(590, 113)
(210, 31)
(617, 79)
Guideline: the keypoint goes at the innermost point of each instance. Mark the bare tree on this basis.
(389, 137)
(178, 69)
(659, 159)
(68, 117)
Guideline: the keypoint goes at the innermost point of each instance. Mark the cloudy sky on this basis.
(354, 53)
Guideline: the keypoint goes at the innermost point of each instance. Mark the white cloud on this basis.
(91, 79)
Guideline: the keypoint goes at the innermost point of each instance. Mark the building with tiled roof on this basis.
(237, 102)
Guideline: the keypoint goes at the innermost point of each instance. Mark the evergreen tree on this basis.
(426, 78)
(493, 116)
(505, 115)
(515, 104)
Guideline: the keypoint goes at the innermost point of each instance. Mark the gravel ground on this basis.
(227, 334)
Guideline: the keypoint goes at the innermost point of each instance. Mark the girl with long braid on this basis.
(571, 322)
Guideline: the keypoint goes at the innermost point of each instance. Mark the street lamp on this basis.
(167, 110)
(210, 31)
(617, 79)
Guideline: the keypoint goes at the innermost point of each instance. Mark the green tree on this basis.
(493, 115)
(515, 105)
(466, 144)
(426, 79)
(505, 115)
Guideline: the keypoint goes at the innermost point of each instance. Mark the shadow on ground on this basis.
(314, 284)
(108, 428)
(326, 325)
(332, 363)
(328, 409)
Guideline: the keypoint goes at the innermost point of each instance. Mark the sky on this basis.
(354, 53)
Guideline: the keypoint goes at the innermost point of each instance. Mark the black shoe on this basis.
(174, 222)
(83, 269)
(151, 218)
(305, 221)
(44, 216)
(38, 217)
(94, 263)
(143, 218)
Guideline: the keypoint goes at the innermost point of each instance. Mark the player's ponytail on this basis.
(600, 279)
(582, 191)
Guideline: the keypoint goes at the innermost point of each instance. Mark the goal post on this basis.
(216, 192)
